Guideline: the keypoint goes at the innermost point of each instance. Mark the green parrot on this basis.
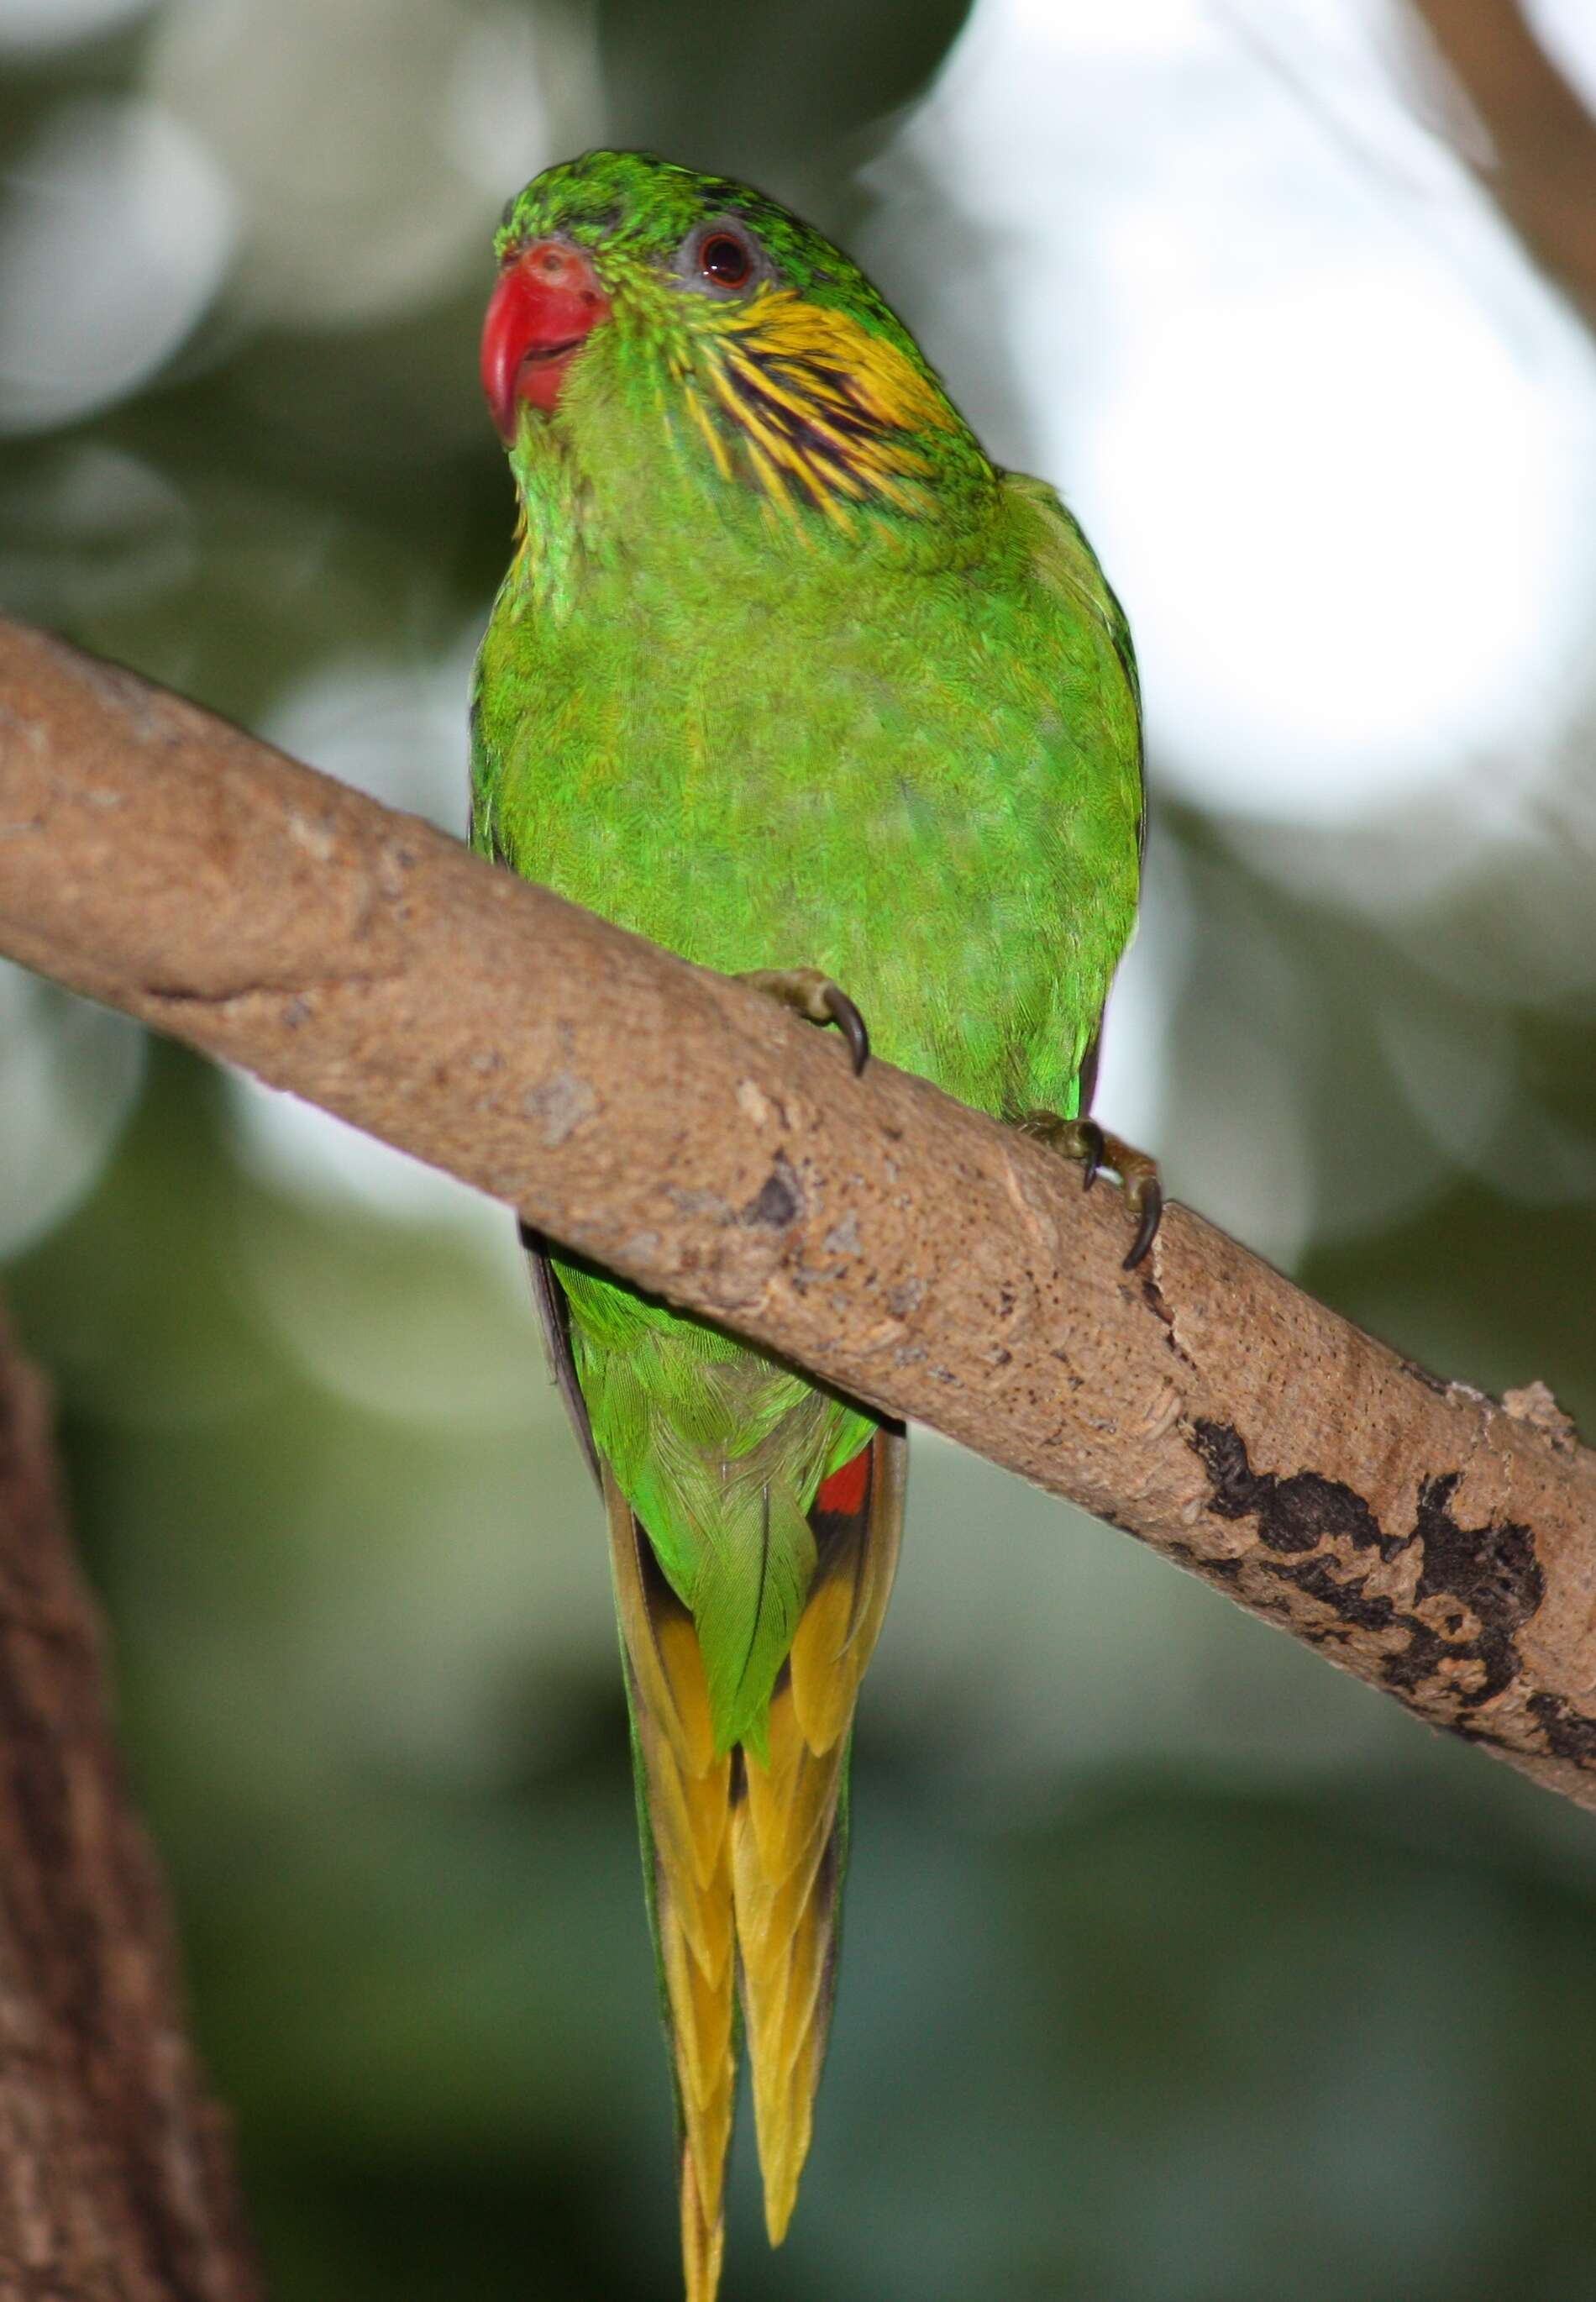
(787, 676)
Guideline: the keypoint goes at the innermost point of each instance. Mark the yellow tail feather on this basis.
(787, 1843)
(785, 1890)
(689, 1807)
(838, 1632)
(747, 1855)
(704, 2237)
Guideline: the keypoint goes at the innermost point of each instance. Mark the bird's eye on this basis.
(726, 259)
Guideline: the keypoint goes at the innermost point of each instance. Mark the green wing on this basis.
(1068, 565)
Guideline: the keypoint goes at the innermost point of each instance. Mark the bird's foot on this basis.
(817, 997)
(1084, 1140)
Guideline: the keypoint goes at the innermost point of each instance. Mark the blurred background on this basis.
(1179, 1967)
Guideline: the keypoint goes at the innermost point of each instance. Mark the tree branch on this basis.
(685, 1131)
(114, 2183)
(1542, 168)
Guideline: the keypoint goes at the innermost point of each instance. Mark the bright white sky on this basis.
(1336, 446)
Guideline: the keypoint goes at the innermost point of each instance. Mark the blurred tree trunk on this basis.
(115, 2182)
(1541, 171)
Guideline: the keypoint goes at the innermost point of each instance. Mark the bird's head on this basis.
(633, 291)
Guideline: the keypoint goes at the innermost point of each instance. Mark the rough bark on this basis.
(114, 2180)
(1542, 166)
(683, 1130)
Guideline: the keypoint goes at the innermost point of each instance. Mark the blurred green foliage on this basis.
(1179, 1970)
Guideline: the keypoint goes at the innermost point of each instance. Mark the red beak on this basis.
(546, 304)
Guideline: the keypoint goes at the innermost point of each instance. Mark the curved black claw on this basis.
(1089, 1136)
(849, 1023)
(1146, 1230)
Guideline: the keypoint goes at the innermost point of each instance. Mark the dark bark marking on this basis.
(1491, 1572)
(1493, 1569)
(1347, 1602)
(1294, 1514)
(1215, 1570)
(1570, 1733)
(778, 1200)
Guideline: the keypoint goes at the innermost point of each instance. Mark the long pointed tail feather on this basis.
(743, 1854)
(683, 1812)
(790, 1817)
